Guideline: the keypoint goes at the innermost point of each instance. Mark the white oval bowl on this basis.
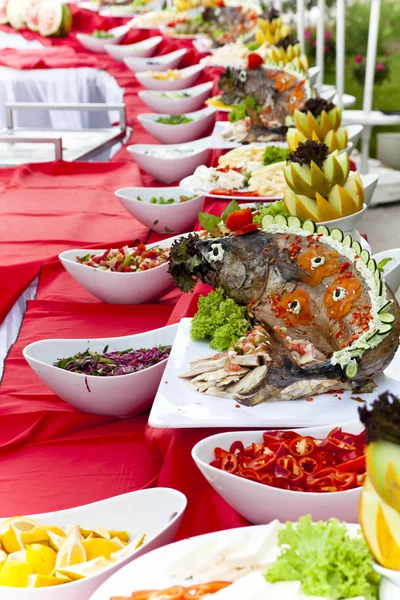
(346, 224)
(391, 271)
(313, 74)
(157, 512)
(393, 576)
(172, 60)
(189, 77)
(142, 49)
(120, 288)
(198, 95)
(162, 218)
(119, 395)
(260, 503)
(202, 121)
(98, 45)
(169, 170)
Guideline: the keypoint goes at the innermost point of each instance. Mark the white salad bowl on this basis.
(172, 60)
(260, 503)
(117, 395)
(120, 288)
(346, 224)
(393, 576)
(157, 512)
(162, 218)
(142, 49)
(172, 162)
(98, 45)
(354, 133)
(313, 74)
(189, 75)
(391, 271)
(201, 123)
(178, 102)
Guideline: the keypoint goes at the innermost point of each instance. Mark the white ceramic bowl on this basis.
(162, 218)
(354, 132)
(120, 288)
(167, 169)
(346, 224)
(142, 49)
(261, 504)
(391, 271)
(98, 45)
(119, 395)
(393, 576)
(157, 512)
(189, 77)
(313, 74)
(197, 95)
(201, 123)
(172, 60)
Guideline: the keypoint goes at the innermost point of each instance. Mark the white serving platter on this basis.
(154, 571)
(177, 405)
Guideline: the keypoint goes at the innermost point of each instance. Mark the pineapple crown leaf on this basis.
(309, 151)
(382, 420)
(316, 105)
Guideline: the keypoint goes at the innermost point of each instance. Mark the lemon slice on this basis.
(11, 537)
(56, 530)
(41, 558)
(15, 573)
(3, 557)
(37, 581)
(71, 552)
(56, 541)
(20, 555)
(92, 567)
(118, 543)
(121, 535)
(35, 535)
(96, 547)
(127, 550)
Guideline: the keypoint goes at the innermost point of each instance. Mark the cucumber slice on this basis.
(386, 317)
(377, 277)
(294, 222)
(309, 226)
(347, 241)
(337, 234)
(379, 288)
(384, 329)
(322, 229)
(365, 256)
(384, 307)
(372, 265)
(373, 336)
(267, 221)
(351, 369)
(356, 247)
(363, 346)
(280, 220)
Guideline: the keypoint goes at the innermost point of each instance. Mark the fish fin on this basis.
(258, 393)
(289, 271)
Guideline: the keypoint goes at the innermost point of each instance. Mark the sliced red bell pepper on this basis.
(229, 463)
(220, 452)
(358, 465)
(238, 219)
(247, 229)
(334, 444)
(331, 480)
(237, 449)
(302, 446)
(262, 463)
(288, 468)
(254, 61)
(308, 464)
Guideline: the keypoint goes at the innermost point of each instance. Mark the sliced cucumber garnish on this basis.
(363, 346)
(294, 222)
(351, 369)
(365, 256)
(356, 247)
(309, 226)
(379, 287)
(347, 241)
(386, 317)
(384, 307)
(267, 221)
(384, 329)
(373, 336)
(377, 276)
(372, 265)
(280, 220)
(322, 229)
(337, 234)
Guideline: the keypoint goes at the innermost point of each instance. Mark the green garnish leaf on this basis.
(174, 120)
(105, 349)
(326, 559)
(382, 263)
(209, 222)
(274, 154)
(233, 205)
(240, 111)
(220, 320)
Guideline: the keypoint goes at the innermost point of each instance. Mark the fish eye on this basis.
(317, 261)
(294, 307)
(339, 293)
(292, 100)
(242, 76)
(216, 254)
(285, 79)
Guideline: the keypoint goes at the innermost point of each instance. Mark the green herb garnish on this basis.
(102, 34)
(240, 111)
(382, 263)
(174, 120)
(274, 154)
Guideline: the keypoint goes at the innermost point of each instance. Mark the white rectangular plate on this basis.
(177, 405)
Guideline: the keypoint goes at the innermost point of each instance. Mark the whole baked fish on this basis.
(303, 288)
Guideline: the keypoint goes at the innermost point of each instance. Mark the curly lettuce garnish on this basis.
(310, 151)
(382, 420)
(316, 106)
(184, 262)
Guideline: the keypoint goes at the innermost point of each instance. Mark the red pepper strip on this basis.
(302, 446)
(217, 463)
(229, 463)
(247, 229)
(288, 468)
(220, 452)
(238, 219)
(100, 257)
(333, 444)
(308, 464)
(331, 480)
(237, 449)
(218, 192)
(358, 465)
(250, 474)
(202, 589)
(263, 462)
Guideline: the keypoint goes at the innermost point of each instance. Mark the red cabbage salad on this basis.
(113, 363)
(126, 260)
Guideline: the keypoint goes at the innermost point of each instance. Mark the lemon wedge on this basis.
(127, 550)
(56, 541)
(92, 567)
(36, 581)
(20, 555)
(71, 552)
(35, 535)
(41, 558)
(3, 557)
(96, 547)
(15, 573)
(121, 535)
(11, 537)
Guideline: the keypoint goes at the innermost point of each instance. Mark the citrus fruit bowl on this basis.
(155, 512)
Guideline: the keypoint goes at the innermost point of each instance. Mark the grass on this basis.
(386, 95)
